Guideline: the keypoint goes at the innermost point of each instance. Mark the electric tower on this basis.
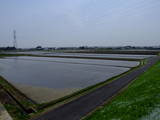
(14, 39)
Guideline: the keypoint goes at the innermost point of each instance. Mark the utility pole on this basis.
(14, 39)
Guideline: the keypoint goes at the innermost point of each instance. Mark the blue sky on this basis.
(80, 22)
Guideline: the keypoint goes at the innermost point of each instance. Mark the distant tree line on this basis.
(7, 48)
(85, 48)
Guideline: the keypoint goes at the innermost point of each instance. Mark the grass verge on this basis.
(138, 101)
(16, 103)
(20, 97)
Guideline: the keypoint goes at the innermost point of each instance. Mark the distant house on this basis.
(39, 48)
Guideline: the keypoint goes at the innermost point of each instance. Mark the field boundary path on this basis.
(83, 105)
(4, 115)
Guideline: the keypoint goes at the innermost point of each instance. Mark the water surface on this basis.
(44, 79)
(56, 75)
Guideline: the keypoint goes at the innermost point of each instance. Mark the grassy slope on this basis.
(13, 109)
(139, 100)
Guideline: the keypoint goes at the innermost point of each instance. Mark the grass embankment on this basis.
(105, 51)
(140, 101)
(16, 103)
(13, 109)
(20, 97)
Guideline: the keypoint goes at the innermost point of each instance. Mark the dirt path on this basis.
(4, 114)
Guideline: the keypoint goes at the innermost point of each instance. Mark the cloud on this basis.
(72, 11)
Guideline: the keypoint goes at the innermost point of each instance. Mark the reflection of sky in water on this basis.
(100, 55)
(56, 75)
(131, 56)
(112, 63)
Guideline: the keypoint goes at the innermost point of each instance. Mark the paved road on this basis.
(80, 107)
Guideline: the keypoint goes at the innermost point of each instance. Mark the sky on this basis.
(64, 23)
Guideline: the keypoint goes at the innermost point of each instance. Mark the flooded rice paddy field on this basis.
(44, 79)
(113, 63)
(100, 55)
(128, 56)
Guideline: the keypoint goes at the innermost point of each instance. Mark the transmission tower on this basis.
(14, 39)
